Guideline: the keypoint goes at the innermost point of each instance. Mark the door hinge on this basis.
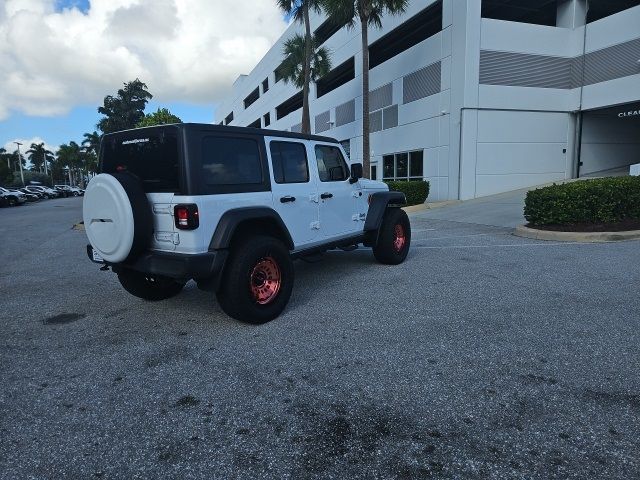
(315, 225)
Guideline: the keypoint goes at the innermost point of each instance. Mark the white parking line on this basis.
(546, 244)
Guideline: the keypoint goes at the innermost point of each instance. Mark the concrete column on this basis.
(463, 19)
(571, 13)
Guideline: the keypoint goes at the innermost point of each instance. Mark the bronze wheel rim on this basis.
(265, 281)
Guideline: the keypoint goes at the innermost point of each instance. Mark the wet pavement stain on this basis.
(63, 318)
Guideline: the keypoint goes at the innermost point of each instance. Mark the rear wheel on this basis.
(149, 287)
(12, 202)
(394, 237)
(258, 280)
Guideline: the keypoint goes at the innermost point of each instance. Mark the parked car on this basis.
(11, 199)
(38, 196)
(31, 197)
(46, 191)
(69, 190)
(232, 208)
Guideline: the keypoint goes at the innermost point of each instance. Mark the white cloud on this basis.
(184, 50)
(10, 146)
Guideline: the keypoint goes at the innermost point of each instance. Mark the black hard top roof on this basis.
(229, 129)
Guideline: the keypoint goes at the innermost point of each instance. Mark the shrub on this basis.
(416, 192)
(602, 200)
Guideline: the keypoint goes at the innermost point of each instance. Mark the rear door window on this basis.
(289, 162)
(153, 158)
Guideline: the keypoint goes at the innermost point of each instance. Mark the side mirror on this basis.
(356, 172)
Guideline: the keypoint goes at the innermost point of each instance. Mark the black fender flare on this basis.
(378, 205)
(230, 220)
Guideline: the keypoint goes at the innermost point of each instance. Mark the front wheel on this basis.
(258, 280)
(149, 287)
(394, 237)
(12, 202)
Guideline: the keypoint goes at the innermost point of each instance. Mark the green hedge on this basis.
(602, 200)
(416, 192)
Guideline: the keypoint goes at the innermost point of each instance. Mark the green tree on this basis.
(368, 13)
(162, 117)
(126, 109)
(6, 175)
(293, 66)
(70, 158)
(299, 10)
(39, 157)
(91, 142)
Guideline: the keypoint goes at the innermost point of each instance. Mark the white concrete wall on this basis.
(509, 150)
(609, 142)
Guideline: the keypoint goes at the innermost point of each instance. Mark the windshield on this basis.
(152, 157)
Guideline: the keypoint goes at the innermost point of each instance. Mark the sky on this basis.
(60, 58)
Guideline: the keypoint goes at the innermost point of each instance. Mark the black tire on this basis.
(12, 202)
(389, 249)
(149, 287)
(75, 194)
(241, 275)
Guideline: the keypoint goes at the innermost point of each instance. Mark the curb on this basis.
(415, 208)
(582, 237)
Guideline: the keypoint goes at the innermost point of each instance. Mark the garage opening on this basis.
(610, 141)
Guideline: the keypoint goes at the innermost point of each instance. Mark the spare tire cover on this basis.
(117, 217)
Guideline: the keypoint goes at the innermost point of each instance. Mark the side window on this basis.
(230, 161)
(331, 164)
(289, 162)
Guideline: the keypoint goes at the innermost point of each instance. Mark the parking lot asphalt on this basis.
(482, 356)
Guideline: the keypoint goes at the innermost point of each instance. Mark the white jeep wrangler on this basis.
(231, 208)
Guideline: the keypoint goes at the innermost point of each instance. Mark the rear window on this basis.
(155, 159)
(231, 161)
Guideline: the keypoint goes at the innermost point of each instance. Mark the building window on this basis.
(228, 119)
(403, 166)
(255, 124)
(374, 172)
(325, 31)
(267, 119)
(289, 106)
(599, 9)
(336, 77)
(289, 161)
(265, 86)
(253, 96)
(346, 145)
(537, 12)
(415, 30)
(279, 71)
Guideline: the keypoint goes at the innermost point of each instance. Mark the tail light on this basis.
(186, 216)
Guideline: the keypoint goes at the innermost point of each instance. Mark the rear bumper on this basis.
(206, 268)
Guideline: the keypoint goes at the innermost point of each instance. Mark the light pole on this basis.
(20, 162)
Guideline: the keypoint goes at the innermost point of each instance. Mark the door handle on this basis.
(326, 195)
(288, 198)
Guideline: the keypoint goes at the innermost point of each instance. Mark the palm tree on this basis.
(299, 10)
(70, 156)
(368, 13)
(39, 156)
(91, 142)
(293, 65)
